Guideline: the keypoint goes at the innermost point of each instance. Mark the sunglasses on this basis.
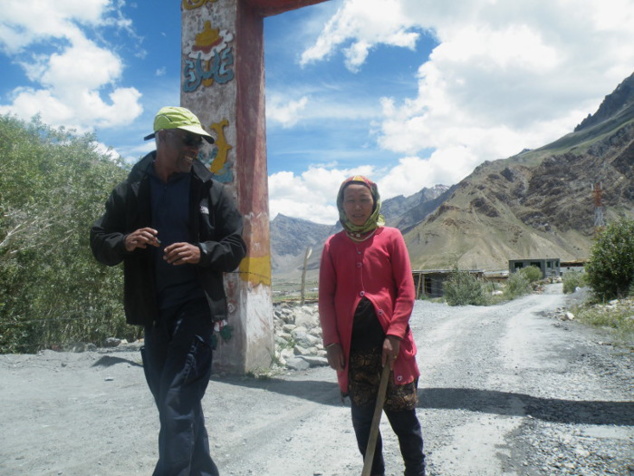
(190, 140)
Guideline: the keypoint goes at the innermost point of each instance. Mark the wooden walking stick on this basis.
(376, 419)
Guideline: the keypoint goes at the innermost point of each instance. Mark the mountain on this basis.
(539, 203)
(290, 238)
(405, 213)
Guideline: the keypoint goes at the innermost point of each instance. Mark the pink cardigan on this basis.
(378, 269)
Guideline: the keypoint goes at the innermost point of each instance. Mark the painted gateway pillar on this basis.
(222, 82)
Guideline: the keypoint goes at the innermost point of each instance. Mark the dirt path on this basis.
(505, 390)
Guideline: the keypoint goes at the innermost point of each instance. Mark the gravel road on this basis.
(505, 390)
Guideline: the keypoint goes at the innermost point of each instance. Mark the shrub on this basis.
(53, 185)
(517, 285)
(573, 280)
(463, 288)
(532, 273)
(610, 270)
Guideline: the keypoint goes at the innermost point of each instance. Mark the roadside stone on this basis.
(307, 316)
(297, 363)
(298, 337)
(315, 361)
(299, 350)
(112, 342)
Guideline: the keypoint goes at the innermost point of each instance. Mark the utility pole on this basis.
(309, 251)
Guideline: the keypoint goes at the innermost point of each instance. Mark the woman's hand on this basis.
(391, 348)
(336, 359)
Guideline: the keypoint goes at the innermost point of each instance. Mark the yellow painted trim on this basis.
(192, 4)
(223, 147)
(256, 270)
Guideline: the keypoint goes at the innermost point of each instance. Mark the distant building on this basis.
(429, 282)
(549, 267)
(577, 265)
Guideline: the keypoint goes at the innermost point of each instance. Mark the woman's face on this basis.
(357, 203)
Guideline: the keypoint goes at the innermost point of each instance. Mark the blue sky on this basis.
(412, 93)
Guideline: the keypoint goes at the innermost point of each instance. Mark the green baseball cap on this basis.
(172, 117)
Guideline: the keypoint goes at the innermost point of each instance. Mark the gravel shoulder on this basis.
(505, 390)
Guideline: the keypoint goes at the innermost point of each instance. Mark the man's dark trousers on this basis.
(177, 362)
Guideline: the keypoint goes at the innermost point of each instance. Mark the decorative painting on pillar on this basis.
(210, 58)
(209, 61)
(191, 4)
(216, 157)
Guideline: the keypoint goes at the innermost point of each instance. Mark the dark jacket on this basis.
(215, 226)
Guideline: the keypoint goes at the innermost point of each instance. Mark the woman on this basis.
(366, 297)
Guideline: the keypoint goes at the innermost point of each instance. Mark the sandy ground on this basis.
(505, 390)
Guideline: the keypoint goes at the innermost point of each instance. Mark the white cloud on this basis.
(366, 23)
(503, 77)
(24, 23)
(286, 113)
(74, 77)
(310, 195)
(448, 166)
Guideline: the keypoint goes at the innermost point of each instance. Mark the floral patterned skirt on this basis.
(364, 377)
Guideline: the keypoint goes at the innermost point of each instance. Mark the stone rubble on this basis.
(563, 314)
(298, 344)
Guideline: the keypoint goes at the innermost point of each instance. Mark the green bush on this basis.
(53, 185)
(463, 288)
(517, 285)
(610, 269)
(573, 280)
(532, 273)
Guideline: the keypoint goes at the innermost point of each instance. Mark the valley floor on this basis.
(505, 390)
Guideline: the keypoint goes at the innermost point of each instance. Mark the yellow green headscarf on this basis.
(374, 221)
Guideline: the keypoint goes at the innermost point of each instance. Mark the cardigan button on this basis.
(359, 265)
(362, 293)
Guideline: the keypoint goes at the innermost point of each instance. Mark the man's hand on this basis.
(336, 359)
(141, 238)
(182, 253)
(391, 348)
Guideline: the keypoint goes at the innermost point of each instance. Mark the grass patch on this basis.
(616, 317)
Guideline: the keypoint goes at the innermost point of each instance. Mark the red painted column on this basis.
(222, 82)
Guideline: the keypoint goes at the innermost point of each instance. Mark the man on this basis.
(177, 231)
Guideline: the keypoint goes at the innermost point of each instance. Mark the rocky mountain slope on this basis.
(405, 213)
(537, 204)
(290, 239)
